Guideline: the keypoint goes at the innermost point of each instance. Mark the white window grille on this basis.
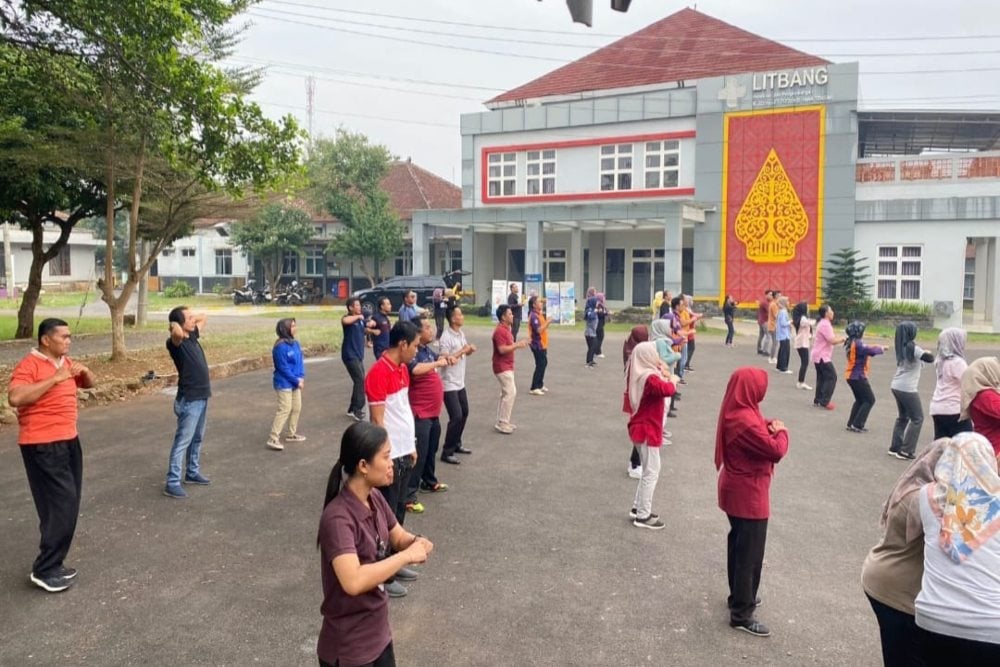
(663, 159)
(502, 174)
(616, 167)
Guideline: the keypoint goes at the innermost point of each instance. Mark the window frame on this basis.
(661, 153)
(311, 256)
(223, 254)
(504, 159)
(541, 159)
(616, 171)
(891, 272)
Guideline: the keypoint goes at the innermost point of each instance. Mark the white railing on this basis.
(934, 168)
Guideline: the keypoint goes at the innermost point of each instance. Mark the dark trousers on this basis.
(591, 348)
(784, 353)
(600, 337)
(803, 363)
(634, 459)
(864, 399)
(944, 651)
(541, 362)
(744, 559)
(457, 405)
(690, 349)
(761, 337)
(356, 369)
(899, 633)
(826, 381)
(55, 475)
(387, 659)
(439, 321)
(730, 332)
(395, 493)
(948, 426)
(515, 325)
(906, 430)
(428, 439)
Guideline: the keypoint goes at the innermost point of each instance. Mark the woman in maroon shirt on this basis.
(357, 536)
(981, 399)
(746, 448)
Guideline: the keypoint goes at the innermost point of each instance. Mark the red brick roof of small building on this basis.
(411, 188)
(684, 46)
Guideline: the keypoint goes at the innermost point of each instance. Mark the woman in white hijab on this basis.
(946, 404)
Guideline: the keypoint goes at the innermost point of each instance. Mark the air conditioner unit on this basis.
(944, 308)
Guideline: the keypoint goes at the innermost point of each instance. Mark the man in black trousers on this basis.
(43, 389)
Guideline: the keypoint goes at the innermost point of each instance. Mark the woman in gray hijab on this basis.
(946, 404)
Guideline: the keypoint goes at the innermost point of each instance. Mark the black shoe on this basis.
(406, 574)
(52, 583)
(65, 572)
(860, 430)
(677, 395)
(755, 628)
(463, 450)
(688, 368)
(448, 458)
(671, 413)
(905, 456)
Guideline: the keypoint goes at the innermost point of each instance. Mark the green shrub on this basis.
(902, 308)
(178, 290)
(219, 289)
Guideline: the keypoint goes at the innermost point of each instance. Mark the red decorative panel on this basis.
(772, 204)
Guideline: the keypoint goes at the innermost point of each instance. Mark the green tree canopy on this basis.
(274, 231)
(846, 286)
(345, 177)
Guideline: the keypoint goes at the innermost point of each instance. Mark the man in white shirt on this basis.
(454, 344)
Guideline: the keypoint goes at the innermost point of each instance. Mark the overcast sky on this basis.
(406, 95)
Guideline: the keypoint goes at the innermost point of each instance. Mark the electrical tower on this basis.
(310, 95)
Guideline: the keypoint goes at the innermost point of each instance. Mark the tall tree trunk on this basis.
(118, 348)
(29, 300)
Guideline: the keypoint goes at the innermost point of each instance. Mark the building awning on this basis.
(589, 217)
(917, 132)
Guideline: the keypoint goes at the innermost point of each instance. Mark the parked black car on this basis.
(396, 288)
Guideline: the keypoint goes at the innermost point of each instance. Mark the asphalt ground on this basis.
(535, 560)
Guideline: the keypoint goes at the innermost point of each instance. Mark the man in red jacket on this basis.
(763, 308)
(746, 448)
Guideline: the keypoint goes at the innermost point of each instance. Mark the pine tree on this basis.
(846, 286)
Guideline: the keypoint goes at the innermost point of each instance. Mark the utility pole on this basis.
(310, 98)
(8, 261)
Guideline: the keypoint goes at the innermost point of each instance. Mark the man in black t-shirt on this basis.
(191, 404)
(380, 337)
(514, 301)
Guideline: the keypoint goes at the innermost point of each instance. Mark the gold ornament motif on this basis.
(772, 220)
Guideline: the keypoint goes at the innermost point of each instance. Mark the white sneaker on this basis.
(274, 444)
(537, 392)
(635, 473)
(667, 434)
(805, 387)
(545, 390)
(600, 356)
(666, 442)
(772, 361)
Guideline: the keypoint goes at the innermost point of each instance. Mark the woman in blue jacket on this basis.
(289, 377)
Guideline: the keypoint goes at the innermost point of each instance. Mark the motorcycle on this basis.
(293, 295)
(245, 294)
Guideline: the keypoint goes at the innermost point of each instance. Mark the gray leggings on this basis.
(906, 431)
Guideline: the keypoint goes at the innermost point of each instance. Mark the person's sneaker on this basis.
(755, 628)
(666, 441)
(891, 453)
(787, 372)
(197, 478)
(772, 361)
(671, 413)
(805, 387)
(600, 356)
(688, 369)
(545, 390)
(359, 415)
(536, 392)
(353, 415)
(274, 444)
(651, 522)
(503, 428)
(52, 583)
(667, 434)
(682, 381)
(436, 488)
(851, 429)
(295, 438)
(415, 507)
(635, 473)
(65, 572)
(632, 512)
(407, 574)
(905, 456)
(830, 406)
(175, 491)
(394, 589)
(860, 430)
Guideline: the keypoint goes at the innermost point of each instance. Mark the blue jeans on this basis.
(187, 440)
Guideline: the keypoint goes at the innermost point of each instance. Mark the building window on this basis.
(554, 265)
(515, 265)
(167, 252)
(450, 259)
(403, 264)
(223, 262)
(900, 269)
(502, 179)
(60, 264)
(315, 260)
(616, 167)
(614, 274)
(969, 288)
(290, 263)
(541, 172)
(187, 252)
(662, 164)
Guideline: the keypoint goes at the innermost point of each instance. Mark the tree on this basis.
(161, 105)
(847, 279)
(47, 146)
(345, 179)
(274, 231)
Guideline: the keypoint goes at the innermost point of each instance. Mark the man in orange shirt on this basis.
(772, 327)
(43, 389)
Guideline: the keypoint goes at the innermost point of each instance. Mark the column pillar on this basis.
(672, 243)
(468, 249)
(533, 246)
(576, 260)
(421, 249)
(992, 284)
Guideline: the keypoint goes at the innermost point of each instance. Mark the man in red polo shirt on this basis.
(43, 389)
(503, 367)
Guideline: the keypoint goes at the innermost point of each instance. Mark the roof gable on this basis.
(411, 188)
(684, 46)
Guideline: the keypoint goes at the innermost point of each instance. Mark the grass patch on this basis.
(84, 325)
(157, 301)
